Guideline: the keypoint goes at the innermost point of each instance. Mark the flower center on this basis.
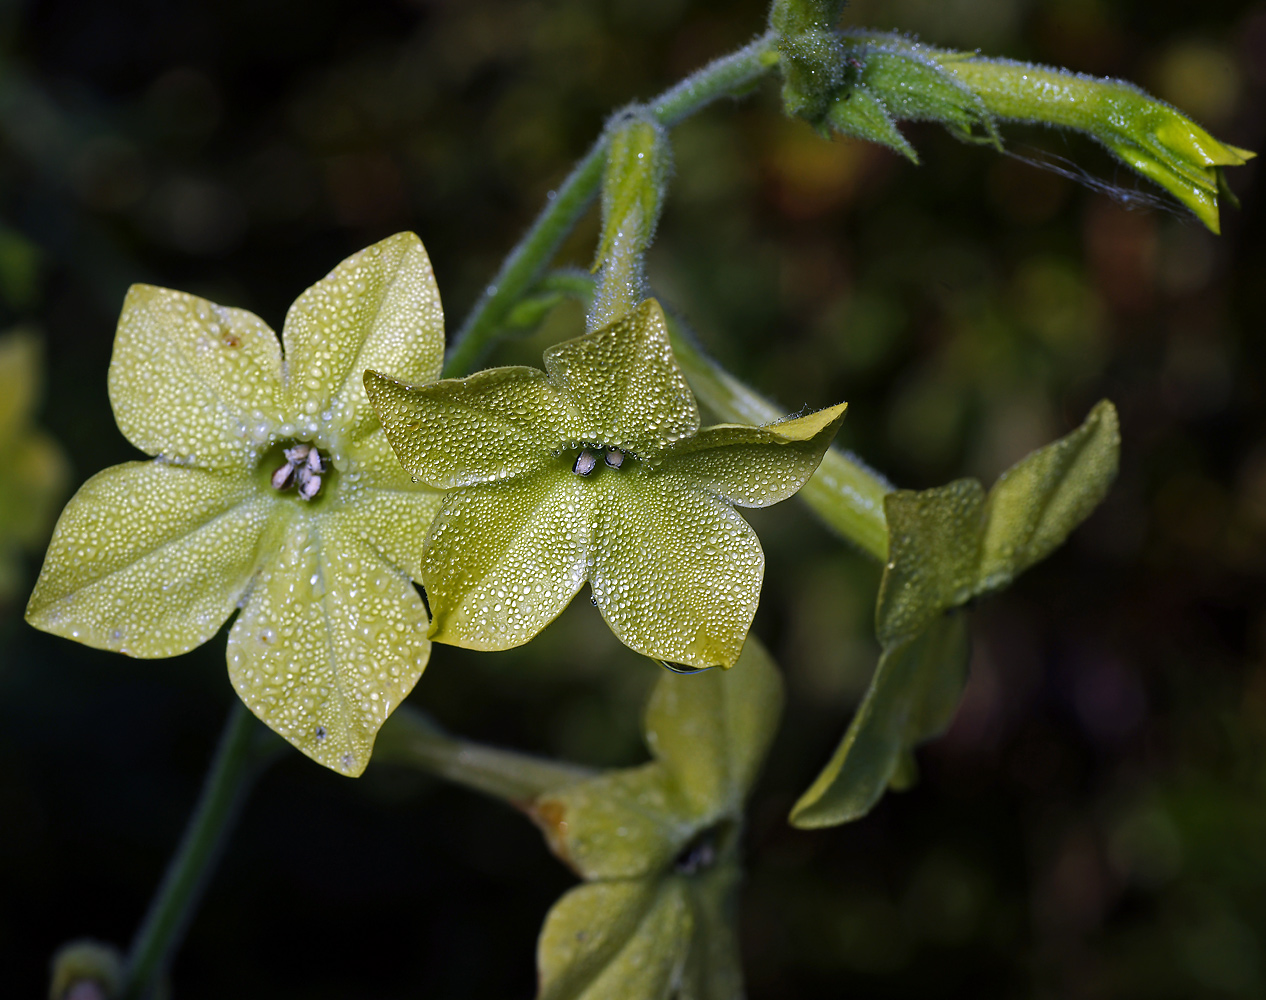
(589, 459)
(301, 471)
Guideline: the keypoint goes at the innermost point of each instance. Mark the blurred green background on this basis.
(1094, 824)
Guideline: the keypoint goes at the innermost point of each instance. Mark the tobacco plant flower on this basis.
(657, 846)
(596, 470)
(33, 472)
(272, 490)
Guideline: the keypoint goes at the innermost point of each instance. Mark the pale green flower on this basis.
(274, 491)
(595, 470)
(33, 472)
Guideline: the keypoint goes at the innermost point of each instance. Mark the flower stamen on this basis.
(302, 469)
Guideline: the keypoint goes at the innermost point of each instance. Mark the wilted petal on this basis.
(616, 939)
(755, 466)
(460, 431)
(677, 573)
(380, 309)
(149, 559)
(192, 381)
(625, 384)
(622, 824)
(332, 638)
(503, 559)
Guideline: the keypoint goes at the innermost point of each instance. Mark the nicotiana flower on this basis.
(596, 470)
(33, 471)
(273, 489)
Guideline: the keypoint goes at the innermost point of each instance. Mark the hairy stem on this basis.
(728, 76)
(227, 782)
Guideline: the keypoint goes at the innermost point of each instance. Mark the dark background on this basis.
(1094, 825)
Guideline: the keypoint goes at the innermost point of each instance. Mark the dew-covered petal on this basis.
(710, 732)
(503, 559)
(677, 572)
(149, 559)
(460, 431)
(192, 381)
(380, 309)
(387, 507)
(331, 640)
(756, 466)
(608, 940)
(625, 384)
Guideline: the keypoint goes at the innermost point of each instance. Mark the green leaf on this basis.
(912, 698)
(949, 546)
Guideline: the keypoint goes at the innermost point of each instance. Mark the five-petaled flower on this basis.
(272, 490)
(596, 470)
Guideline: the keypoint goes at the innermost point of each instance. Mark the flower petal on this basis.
(331, 640)
(755, 466)
(625, 383)
(149, 559)
(503, 559)
(625, 939)
(192, 381)
(460, 431)
(387, 507)
(622, 824)
(380, 308)
(710, 733)
(677, 573)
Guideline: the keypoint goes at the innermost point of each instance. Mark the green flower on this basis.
(657, 846)
(33, 473)
(273, 490)
(595, 470)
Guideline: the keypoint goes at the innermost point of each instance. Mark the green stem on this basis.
(727, 76)
(226, 785)
(411, 738)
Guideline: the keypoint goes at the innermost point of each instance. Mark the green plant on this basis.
(662, 896)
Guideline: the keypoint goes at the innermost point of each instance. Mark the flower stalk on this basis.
(237, 763)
